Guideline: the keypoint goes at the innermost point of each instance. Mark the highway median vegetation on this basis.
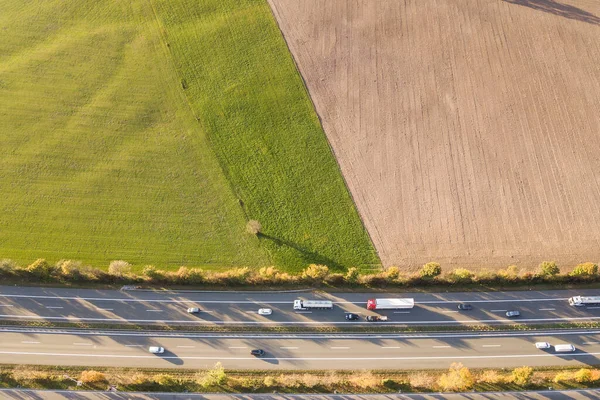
(71, 272)
(216, 379)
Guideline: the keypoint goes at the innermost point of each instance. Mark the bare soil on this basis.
(468, 131)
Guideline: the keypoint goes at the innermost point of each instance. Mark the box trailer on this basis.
(313, 305)
(580, 301)
(390, 304)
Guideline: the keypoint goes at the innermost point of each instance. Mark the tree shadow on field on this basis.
(556, 8)
(309, 257)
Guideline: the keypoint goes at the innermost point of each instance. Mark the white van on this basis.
(564, 348)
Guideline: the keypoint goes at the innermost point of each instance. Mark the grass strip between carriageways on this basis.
(375, 328)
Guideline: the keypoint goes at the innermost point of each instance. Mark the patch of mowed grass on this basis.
(102, 158)
(246, 92)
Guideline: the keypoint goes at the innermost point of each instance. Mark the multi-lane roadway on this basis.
(240, 308)
(295, 351)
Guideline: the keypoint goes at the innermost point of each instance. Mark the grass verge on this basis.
(219, 380)
(375, 328)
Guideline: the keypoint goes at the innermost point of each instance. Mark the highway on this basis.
(70, 395)
(240, 308)
(294, 351)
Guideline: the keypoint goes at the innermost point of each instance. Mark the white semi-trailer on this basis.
(390, 304)
(313, 305)
(580, 301)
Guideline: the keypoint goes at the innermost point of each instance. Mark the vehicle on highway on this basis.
(542, 345)
(265, 311)
(513, 314)
(312, 305)
(351, 317)
(465, 307)
(376, 318)
(193, 310)
(390, 304)
(156, 349)
(580, 301)
(257, 352)
(564, 348)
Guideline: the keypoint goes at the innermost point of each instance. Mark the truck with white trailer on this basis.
(580, 301)
(390, 304)
(304, 305)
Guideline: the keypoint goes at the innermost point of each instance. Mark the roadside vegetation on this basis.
(120, 272)
(457, 378)
(155, 130)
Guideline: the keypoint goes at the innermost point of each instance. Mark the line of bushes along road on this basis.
(431, 274)
(457, 378)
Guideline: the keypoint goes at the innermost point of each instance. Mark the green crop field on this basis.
(151, 131)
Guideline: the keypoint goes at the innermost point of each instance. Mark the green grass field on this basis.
(151, 131)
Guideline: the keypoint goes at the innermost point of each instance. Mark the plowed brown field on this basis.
(468, 131)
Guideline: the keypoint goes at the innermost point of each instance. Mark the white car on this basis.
(542, 345)
(265, 311)
(156, 349)
(193, 310)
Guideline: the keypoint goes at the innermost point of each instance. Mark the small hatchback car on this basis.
(156, 349)
(542, 345)
(465, 307)
(513, 314)
(351, 317)
(257, 352)
(265, 311)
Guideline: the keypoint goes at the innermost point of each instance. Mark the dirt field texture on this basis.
(468, 131)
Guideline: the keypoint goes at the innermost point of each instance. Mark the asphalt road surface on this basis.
(300, 351)
(240, 308)
(66, 395)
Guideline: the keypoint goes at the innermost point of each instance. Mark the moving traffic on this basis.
(283, 308)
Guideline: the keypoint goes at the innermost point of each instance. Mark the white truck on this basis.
(580, 301)
(390, 304)
(304, 305)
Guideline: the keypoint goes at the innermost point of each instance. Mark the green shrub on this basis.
(352, 276)
(563, 376)
(215, 376)
(585, 269)
(41, 270)
(119, 268)
(522, 375)
(584, 375)
(92, 376)
(153, 273)
(253, 227)
(548, 268)
(315, 272)
(431, 270)
(461, 275)
(392, 273)
(70, 270)
(458, 378)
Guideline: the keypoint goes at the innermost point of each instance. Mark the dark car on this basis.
(465, 307)
(257, 352)
(351, 317)
(375, 318)
(513, 314)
